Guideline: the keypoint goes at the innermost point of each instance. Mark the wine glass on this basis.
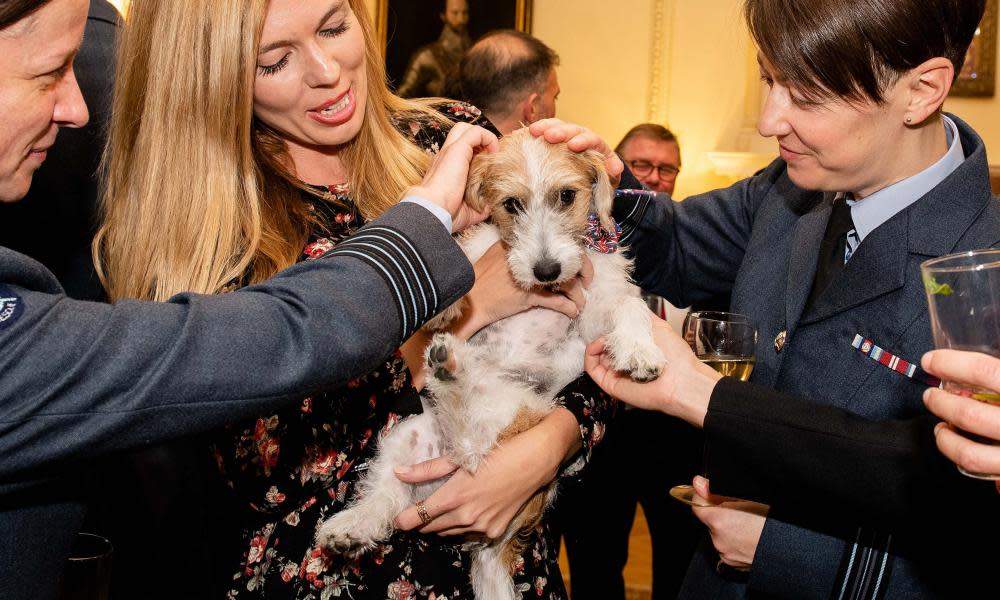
(727, 342)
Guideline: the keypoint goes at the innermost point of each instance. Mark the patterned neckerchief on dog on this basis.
(600, 239)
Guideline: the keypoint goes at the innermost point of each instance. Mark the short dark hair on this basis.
(502, 65)
(649, 130)
(856, 50)
(12, 11)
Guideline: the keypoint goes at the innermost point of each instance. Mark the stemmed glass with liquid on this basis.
(727, 342)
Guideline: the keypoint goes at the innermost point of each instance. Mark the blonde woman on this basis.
(248, 135)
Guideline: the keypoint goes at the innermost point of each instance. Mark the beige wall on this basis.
(682, 63)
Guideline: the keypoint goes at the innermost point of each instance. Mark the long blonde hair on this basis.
(198, 193)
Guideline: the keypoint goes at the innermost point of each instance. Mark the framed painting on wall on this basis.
(978, 75)
(425, 39)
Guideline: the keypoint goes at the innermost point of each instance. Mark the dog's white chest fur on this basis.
(544, 348)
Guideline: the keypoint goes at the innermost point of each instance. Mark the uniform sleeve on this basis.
(82, 379)
(690, 252)
(812, 459)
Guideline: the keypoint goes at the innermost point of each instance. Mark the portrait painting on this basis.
(425, 39)
(978, 74)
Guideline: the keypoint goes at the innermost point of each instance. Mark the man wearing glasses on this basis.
(654, 156)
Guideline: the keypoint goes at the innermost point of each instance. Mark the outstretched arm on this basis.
(84, 379)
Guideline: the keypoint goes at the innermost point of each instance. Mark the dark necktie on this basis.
(832, 248)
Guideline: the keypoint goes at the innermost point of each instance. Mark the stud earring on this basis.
(909, 120)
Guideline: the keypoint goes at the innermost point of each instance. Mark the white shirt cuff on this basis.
(436, 210)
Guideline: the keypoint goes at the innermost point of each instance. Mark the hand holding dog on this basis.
(682, 390)
(735, 525)
(496, 296)
(445, 180)
(967, 414)
(486, 502)
(579, 139)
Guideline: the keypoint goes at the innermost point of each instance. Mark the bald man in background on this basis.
(511, 77)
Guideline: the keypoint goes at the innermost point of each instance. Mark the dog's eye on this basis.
(512, 205)
(567, 196)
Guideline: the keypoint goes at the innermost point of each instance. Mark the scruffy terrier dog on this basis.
(545, 199)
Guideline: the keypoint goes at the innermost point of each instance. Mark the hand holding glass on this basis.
(727, 342)
(963, 295)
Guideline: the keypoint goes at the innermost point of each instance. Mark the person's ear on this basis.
(530, 108)
(927, 88)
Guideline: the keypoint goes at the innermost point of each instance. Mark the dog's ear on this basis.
(473, 188)
(602, 193)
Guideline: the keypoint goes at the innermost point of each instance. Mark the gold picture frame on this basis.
(978, 77)
(405, 26)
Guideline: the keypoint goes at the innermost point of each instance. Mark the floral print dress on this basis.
(293, 469)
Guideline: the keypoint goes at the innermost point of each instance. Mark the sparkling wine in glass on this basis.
(725, 341)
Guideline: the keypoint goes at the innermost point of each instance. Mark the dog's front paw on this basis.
(646, 372)
(642, 361)
(350, 532)
(441, 358)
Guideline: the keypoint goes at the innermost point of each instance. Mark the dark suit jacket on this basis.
(81, 380)
(760, 239)
(819, 463)
(812, 459)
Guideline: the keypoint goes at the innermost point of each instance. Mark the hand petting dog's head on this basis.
(541, 195)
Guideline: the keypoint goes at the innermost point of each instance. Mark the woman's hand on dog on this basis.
(445, 180)
(487, 501)
(579, 139)
(496, 296)
(682, 390)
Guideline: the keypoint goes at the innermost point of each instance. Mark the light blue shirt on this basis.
(436, 210)
(878, 208)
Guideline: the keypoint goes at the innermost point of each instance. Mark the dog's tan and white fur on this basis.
(503, 380)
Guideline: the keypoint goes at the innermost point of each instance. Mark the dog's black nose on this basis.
(547, 270)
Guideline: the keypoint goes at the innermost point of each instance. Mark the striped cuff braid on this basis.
(404, 270)
(630, 206)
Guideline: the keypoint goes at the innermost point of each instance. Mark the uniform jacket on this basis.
(759, 239)
(79, 380)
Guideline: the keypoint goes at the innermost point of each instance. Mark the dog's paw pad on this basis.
(441, 359)
(646, 373)
(641, 365)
